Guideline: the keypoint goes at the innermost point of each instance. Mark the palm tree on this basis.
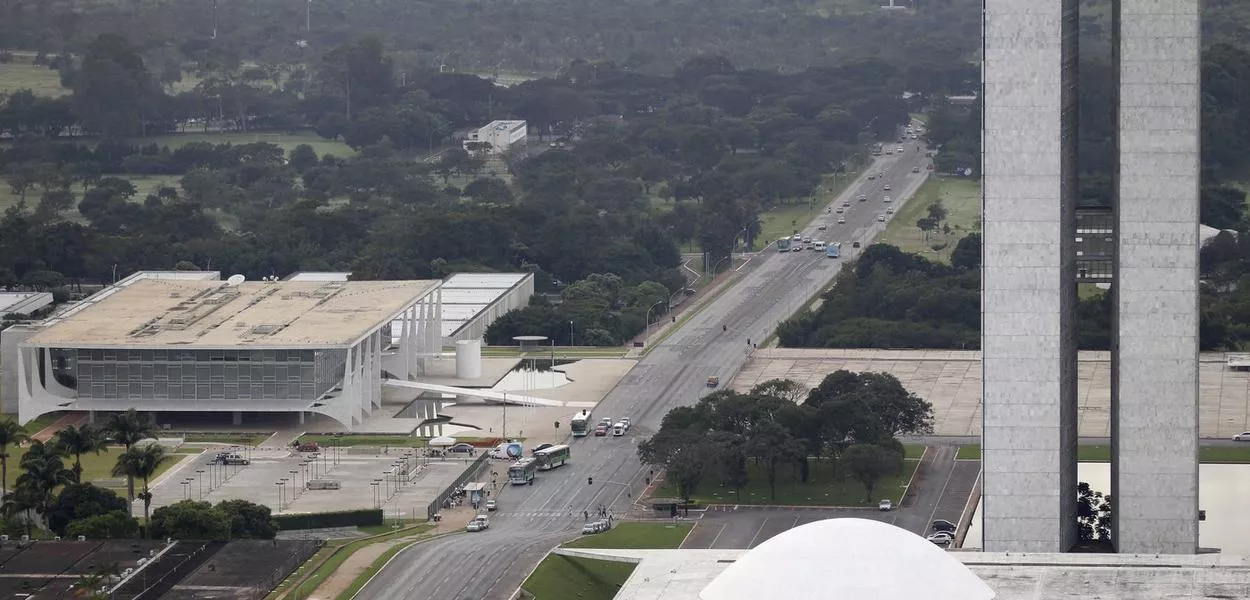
(78, 441)
(141, 462)
(44, 473)
(10, 433)
(128, 429)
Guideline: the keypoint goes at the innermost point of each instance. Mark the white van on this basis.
(820, 246)
(618, 430)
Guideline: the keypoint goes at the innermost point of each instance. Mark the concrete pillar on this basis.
(301, 417)
(237, 417)
(91, 417)
(1028, 275)
(1154, 416)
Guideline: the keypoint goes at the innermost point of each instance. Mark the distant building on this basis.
(23, 304)
(501, 135)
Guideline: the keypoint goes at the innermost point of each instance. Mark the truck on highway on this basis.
(522, 471)
(580, 423)
(833, 250)
(552, 457)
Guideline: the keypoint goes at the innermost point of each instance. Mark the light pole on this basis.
(199, 478)
(570, 334)
(717, 263)
(647, 338)
(278, 488)
(375, 493)
(186, 489)
(505, 417)
(308, 17)
(295, 483)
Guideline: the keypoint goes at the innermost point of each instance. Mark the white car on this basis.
(491, 505)
(885, 505)
(889, 210)
(941, 538)
(1242, 437)
(626, 422)
(886, 187)
(841, 221)
(822, 227)
(880, 218)
(886, 199)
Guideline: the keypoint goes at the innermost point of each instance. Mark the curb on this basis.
(396, 555)
(912, 479)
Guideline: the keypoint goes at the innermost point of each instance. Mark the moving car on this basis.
(881, 218)
(1242, 437)
(626, 422)
(854, 244)
(886, 187)
(601, 430)
(862, 198)
(596, 527)
(479, 523)
(231, 458)
(915, 169)
(807, 239)
(823, 227)
(887, 199)
(841, 210)
(889, 210)
(796, 248)
(885, 505)
(461, 448)
(841, 221)
(713, 381)
(491, 505)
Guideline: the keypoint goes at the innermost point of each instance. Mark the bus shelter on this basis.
(476, 491)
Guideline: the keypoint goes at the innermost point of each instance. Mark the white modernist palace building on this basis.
(190, 342)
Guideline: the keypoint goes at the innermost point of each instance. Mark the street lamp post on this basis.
(716, 265)
(570, 334)
(278, 488)
(375, 493)
(295, 483)
(647, 338)
(199, 478)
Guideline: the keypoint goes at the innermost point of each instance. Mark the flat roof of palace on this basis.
(215, 314)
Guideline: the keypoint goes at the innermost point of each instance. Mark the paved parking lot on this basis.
(951, 380)
(940, 490)
(356, 469)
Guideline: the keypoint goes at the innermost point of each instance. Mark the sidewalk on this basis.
(691, 305)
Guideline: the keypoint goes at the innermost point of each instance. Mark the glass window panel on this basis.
(201, 391)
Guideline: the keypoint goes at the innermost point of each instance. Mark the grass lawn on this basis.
(820, 490)
(286, 140)
(94, 467)
(962, 200)
(22, 73)
(785, 219)
(327, 560)
(234, 439)
(1206, 454)
(365, 440)
(564, 577)
(657, 536)
(36, 425)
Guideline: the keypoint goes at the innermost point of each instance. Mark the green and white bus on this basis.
(783, 245)
(550, 458)
(522, 472)
(580, 424)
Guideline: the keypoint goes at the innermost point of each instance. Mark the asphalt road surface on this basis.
(533, 519)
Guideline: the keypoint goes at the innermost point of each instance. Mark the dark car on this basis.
(461, 448)
(601, 430)
(855, 245)
(943, 525)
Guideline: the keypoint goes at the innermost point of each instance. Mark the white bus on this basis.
(552, 457)
(522, 472)
(580, 424)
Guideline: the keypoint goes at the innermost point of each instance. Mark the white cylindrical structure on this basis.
(468, 359)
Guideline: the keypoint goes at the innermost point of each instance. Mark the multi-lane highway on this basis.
(533, 519)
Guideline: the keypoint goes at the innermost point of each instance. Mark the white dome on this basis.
(847, 559)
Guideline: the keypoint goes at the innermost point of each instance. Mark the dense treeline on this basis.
(651, 162)
(540, 36)
(848, 421)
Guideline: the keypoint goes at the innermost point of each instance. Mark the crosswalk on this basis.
(535, 513)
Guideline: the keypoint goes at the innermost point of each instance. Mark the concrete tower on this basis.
(1030, 270)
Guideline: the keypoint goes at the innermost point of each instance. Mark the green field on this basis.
(1206, 454)
(962, 199)
(287, 141)
(94, 466)
(564, 577)
(560, 577)
(636, 536)
(821, 489)
(22, 74)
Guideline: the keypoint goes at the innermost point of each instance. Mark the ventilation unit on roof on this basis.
(264, 329)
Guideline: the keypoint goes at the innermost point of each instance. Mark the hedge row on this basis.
(342, 518)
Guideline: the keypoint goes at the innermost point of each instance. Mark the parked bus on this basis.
(877, 148)
(522, 471)
(580, 424)
(550, 458)
(833, 250)
(783, 245)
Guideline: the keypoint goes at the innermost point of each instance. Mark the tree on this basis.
(967, 253)
(78, 501)
(927, 225)
(10, 434)
(248, 520)
(127, 429)
(43, 473)
(141, 462)
(111, 525)
(771, 444)
(190, 520)
(682, 453)
(1093, 515)
(76, 441)
(868, 463)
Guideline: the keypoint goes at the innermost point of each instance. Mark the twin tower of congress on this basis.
(1035, 251)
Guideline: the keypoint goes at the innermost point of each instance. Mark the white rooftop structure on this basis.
(472, 301)
(867, 560)
(501, 135)
(23, 303)
(873, 560)
(319, 276)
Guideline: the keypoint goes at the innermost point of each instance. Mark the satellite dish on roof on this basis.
(235, 280)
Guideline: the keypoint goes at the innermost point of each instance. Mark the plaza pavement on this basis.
(951, 381)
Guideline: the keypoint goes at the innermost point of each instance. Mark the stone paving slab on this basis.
(951, 381)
